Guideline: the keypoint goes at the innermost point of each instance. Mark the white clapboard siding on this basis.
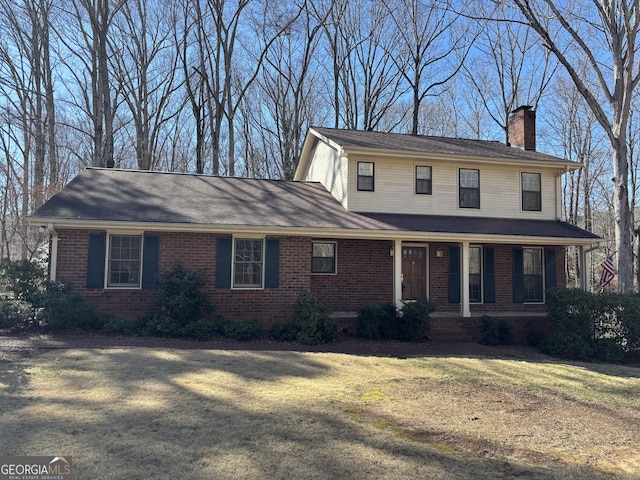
(328, 168)
(500, 189)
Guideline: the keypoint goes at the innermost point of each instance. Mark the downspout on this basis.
(53, 254)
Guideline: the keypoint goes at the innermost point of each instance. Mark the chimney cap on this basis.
(522, 107)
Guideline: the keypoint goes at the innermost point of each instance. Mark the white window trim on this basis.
(373, 177)
(479, 208)
(481, 301)
(415, 179)
(335, 257)
(107, 263)
(233, 261)
(543, 274)
(522, 192)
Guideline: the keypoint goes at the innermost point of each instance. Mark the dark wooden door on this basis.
(414, 272)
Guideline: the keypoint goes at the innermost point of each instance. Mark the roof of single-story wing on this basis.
(111, 197)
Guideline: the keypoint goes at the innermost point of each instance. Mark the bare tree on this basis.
(146, 68)
(585, 30)
(430, 50)
(285, 89)
(508, 68)
(85, 34)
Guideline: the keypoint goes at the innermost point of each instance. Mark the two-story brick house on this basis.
(370, 218)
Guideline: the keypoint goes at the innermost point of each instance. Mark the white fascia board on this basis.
(406, 236)
(303, 164)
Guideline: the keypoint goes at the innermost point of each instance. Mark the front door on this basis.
(414, 273)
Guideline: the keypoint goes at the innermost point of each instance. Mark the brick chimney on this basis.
(522, 128)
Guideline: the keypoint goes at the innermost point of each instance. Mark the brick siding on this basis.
(364, 277)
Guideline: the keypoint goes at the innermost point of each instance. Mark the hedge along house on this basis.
(370, 218)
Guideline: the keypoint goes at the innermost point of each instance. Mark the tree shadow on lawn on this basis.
(191, 414)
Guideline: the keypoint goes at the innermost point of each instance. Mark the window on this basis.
(323, 257)
(532, 270)
(365, 176)
(469, 188)
(125, 253)
(248, 265)
(423, 179)
(531, 194)
(475, 274)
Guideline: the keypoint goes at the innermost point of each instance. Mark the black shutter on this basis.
(95, 262)
(150, 262)
(272, 263)
(550, 268)
(518, 275)
(454, 274)
(223, 263)
(489, 276)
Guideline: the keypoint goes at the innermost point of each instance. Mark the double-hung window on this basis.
(531, 192)
(469, 184)
(475, 274)
(323, 257)
(533, 274)
(248, 265)
(365, 176)
(125, 261)
(423, 180)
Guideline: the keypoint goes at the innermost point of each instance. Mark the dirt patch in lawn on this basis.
(150, 413)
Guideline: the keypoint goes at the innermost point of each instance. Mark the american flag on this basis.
(608, 272)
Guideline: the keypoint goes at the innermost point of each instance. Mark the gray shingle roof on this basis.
(109, 195)
(432, 145)
(139, 196)
(481, 226)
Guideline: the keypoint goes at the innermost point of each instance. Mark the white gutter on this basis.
(381, 234)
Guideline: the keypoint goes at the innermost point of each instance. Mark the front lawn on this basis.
(145, 413)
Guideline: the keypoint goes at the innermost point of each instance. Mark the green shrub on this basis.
(386, 322)
(313, 321)
(413, 321)
(181, 295)
(608, 350)
(284, 332)
(245, 330)
(568, 345)
(62, 309)
(22, 278)
(14, 313)
(117, 325)
(155, 325)
(221, 325)
(374, 321)
(494, 331)
(201, 329)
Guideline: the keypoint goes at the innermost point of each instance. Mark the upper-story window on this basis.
(469, 188)
(531, 192)
(423, 179)
(125, 261)
(365, 176)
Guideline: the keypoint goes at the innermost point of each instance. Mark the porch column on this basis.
(53, 254)
(397, 273)
(582, 260)
(464, 277)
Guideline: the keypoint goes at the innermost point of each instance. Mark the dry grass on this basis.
(152, 413)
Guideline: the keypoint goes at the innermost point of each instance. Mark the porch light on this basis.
(439, 252)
